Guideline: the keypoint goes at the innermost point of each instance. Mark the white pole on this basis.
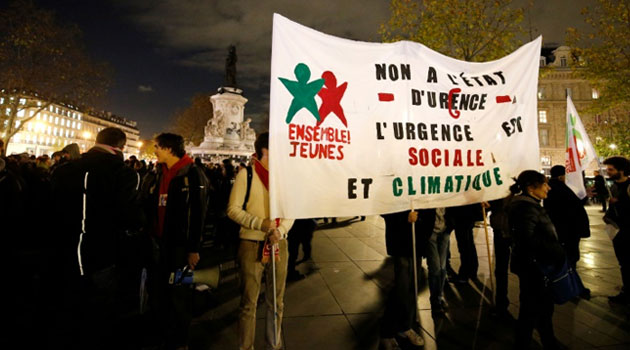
(275, 303)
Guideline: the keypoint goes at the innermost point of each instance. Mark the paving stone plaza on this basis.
(340, 302)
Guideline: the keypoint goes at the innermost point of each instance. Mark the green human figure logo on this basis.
(303, 91)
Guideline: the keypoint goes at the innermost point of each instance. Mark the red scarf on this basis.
(167, 176)
(262, 172)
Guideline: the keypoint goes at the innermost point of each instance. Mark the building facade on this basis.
(555, 83)
(57, 125)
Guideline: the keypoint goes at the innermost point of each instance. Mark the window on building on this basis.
(79, 116)
(32, 112)
(56, 120)
(544, 137)
(22, 101)
(568, 93)
(542, 117)
(8, 111)
(543, 61)
(20, 113)
(79, 126)
(563, 61)
(1, 100)
(74, 125)
(595, 94)
(541, 93)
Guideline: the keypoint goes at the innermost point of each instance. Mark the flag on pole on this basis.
(580, 151)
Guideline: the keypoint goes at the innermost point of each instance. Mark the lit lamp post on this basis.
(612, 146)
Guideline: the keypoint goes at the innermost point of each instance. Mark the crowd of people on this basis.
(119, 226)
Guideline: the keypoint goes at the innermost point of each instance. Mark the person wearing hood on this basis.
(534, 242)
(73, 152)
(95, 201)
(176, 199)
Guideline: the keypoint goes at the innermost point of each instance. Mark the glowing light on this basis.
(140, 144)
(612, 146)
(87, 135)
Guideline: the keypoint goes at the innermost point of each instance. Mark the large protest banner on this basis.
(366, 128)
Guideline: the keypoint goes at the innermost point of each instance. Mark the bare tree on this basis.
(42, 61)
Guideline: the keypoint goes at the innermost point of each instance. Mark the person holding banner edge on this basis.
(257, 231)
(401, 307)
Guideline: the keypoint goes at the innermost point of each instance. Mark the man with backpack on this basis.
(176, 199)
(259, 234)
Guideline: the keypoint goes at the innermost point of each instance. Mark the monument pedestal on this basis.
(227, 134)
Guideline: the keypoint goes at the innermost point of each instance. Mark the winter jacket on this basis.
(566, 212)
(95, 203)
(185, 212)
(534, 235)
(398, 239)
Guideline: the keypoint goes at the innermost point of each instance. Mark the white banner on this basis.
(364, 128)
(580, 151)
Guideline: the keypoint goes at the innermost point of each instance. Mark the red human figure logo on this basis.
(331, 95)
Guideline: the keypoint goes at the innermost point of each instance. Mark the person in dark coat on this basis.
(618, 214)
(601, 190)
(569, 217)
(535, 242)
(502, 251)
(401, 305)
(95, 203)
(175, 200)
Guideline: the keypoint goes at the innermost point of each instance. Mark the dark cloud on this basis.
(197, 34)
(145, 88)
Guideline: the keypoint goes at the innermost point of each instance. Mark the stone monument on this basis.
(227, 133)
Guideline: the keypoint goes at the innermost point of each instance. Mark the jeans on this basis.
(437, 249)
(251, 271)
(401, 304)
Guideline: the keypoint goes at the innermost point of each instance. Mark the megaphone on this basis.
(210, 276)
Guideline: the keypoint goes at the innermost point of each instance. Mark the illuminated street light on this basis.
(87, 135)
(612, 146)
(140, 144)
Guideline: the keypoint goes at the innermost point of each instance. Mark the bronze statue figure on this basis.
(230, 67)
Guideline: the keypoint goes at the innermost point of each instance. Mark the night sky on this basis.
(165, 51)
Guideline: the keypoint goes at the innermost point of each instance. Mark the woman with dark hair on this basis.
(535, 244)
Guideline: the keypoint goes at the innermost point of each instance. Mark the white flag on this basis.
(580, 151)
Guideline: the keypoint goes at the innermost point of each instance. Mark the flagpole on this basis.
(415, 266)
(485, 227)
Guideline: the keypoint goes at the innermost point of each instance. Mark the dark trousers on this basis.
(467, 250)
(400, 309)
(535, 311)
(604, 201)
(301, 233)
(621, 243)
(502, 251)
(172, 305)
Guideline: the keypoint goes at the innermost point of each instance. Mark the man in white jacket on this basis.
(250, 209)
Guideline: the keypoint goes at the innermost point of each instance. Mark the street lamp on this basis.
(612, 146)
(140, 144)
